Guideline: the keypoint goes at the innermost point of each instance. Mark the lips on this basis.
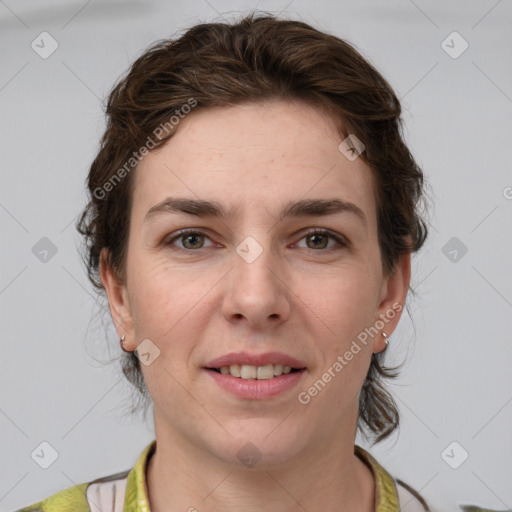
(256, 388)
(256, 376)
(245, 358)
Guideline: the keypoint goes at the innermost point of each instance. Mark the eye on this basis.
(316, 239)
(320, 239)
(189, 239)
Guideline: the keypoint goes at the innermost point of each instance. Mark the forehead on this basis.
(259, 155)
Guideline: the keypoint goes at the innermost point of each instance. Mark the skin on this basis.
(199, 301)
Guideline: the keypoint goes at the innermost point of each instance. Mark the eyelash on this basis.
(180, 234)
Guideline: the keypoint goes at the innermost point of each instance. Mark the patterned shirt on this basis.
(127, 491)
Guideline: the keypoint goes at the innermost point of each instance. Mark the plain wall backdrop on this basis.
(456, 384)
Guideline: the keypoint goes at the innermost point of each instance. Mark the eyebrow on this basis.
(302, 208)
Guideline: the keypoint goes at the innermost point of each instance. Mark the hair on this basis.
(256, 58)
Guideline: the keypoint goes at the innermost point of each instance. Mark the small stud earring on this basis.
(121, 342)
(386, 340)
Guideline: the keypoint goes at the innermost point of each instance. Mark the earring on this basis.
(121, 342)
(386, 340)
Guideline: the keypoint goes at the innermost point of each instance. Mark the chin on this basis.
(260, 444)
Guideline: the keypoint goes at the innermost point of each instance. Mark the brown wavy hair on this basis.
(258, 57)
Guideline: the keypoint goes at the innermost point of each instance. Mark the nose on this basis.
(256, 290)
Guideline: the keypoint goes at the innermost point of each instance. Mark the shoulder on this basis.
(111, 493)
(69, 499)
(106, 494)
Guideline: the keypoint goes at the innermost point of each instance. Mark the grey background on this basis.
(456, 383)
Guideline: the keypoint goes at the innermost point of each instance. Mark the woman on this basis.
(252, 216)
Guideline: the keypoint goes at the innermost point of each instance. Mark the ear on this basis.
(117, 294)
(392, 299)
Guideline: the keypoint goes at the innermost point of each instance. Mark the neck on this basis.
(185, 477)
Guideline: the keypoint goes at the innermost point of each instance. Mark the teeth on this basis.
(265, 372)
(246, 371)
(234, 369)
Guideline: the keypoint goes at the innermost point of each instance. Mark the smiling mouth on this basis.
(246, 371)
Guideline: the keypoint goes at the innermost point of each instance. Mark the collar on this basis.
(136, 497)
(386, 496)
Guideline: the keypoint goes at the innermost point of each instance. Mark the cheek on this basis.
(345, 301)
(162, 297)
(164, 307)
(172, 308)
(340, 308)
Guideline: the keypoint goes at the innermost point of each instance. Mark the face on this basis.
(291, 275)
